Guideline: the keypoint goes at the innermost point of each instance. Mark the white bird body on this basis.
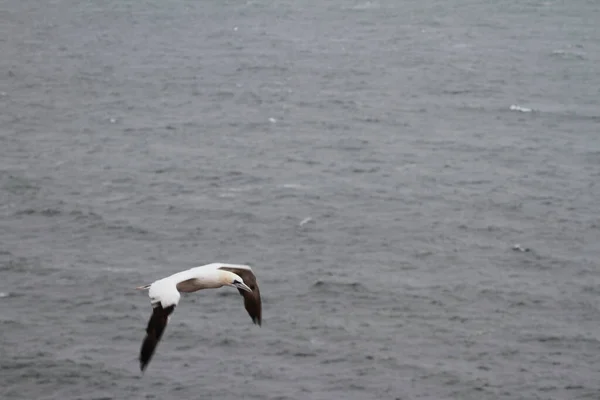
(165, 294)
(209, 276)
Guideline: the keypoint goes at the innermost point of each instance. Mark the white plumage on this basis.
(165, 294)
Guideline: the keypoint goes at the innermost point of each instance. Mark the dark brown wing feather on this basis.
(252, 301)
(154, 331)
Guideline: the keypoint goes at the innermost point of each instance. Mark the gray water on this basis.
(375, 162)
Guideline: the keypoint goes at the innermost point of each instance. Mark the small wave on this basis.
(515, 107)
(335, 360)
(298, 352)
(94, 220)
(548, 110)
(124, 227)
(46, 212)
(369, 5)
(82, 215)
(325, 286)
(305, 221)
(352, 144)
(293, 186)
(239, 189)
(17, 185)
(372, 170)
(303, 354)
(456, 91)
(16, 265)
(557, 339)
(567, 54)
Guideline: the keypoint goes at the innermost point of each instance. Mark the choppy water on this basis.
(375, 162)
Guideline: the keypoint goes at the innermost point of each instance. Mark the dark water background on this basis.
(422, 139)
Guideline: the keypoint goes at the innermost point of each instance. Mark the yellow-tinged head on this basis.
(230, 279)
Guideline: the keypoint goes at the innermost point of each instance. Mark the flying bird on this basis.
(165, 294)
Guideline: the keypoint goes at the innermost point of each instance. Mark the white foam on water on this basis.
(515, 107)
(305, 221)
(369, 5)
(293, 186)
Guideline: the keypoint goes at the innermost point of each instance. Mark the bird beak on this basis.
(243, 287)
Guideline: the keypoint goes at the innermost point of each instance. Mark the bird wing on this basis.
(156, 327)
(164, 297)
(252, 300)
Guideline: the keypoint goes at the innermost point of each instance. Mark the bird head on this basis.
(231, 279)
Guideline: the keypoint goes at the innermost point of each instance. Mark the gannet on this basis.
(165, 294)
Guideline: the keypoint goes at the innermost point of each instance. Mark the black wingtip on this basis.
(154, 331)
(144, 365)
(144, 360)
(147, 350)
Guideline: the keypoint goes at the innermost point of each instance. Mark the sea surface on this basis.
(415, 183)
